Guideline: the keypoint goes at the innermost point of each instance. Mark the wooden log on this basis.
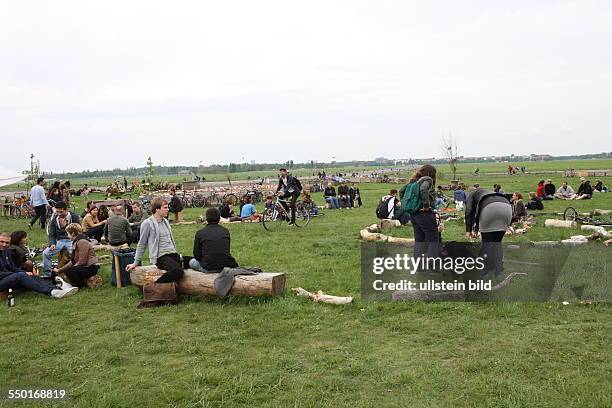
(323, 297)
(602, 212)
(559, 223)
(198, 283)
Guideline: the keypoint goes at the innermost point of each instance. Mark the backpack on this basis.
(382, 211)
(411, 200)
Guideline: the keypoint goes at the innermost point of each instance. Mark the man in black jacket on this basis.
(211, 246)
(288, 187)
(549, 190)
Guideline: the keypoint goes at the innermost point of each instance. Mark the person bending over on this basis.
(211, 246)
(156, 235)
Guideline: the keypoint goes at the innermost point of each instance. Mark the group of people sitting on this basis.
(546, 190)
(346, 197)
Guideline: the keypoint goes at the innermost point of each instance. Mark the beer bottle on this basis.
(10, 299)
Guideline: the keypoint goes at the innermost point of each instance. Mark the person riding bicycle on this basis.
(288, 187)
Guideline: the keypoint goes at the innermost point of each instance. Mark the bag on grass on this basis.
(158, 294)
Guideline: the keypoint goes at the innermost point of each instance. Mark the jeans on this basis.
(23, 280)
(493, 251)
(195, 265)
(79, 274)
(48, 253)
(170, 263)
(333, 201)
(40, 211)
(426, 235)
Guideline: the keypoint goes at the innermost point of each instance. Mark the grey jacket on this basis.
(149, 238)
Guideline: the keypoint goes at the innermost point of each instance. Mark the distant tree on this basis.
(149, 171)
(450, 152)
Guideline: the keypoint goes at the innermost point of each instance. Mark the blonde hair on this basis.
(74, 229)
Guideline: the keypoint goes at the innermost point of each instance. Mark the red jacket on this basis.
(540, 190)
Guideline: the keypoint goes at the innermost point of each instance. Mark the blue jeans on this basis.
(195, 265)
(333, 201)
(48, 253)
(23, 280)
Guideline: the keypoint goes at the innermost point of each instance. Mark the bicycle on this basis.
(570, 214)
(273, 218)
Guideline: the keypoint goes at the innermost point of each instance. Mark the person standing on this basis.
(39, 202)
(156, 235)
(421, 191)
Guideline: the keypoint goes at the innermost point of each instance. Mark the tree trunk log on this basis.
(198, 283)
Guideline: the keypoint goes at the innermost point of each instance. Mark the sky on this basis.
(102, 85)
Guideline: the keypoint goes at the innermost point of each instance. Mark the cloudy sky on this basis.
(86, 85)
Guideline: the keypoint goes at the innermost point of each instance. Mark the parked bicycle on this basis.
(570, 214)
(274, 218)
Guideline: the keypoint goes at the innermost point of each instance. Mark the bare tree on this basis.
(450, 151)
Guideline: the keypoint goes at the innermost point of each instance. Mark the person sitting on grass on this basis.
(518, 208)
(83, 261)
(58, 238)
(393, 204)
(211, 246)
(355, 195)
(585, 191)
(310, 205)
(117, 229)
(92, 227)
(156, 235)
(87, 209)
(227, 212)
(540, 189)
(343, 196)
(248, 212)
(11, 277)
(103, 213)
(535, 202)
(459, 197)
(19, 251)
(330, 196)
(549, 190)
(565, 192)
(441, 200)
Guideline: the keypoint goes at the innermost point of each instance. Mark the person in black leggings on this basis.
(491, 214)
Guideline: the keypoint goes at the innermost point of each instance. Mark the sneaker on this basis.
(60, 293)
(62, 284)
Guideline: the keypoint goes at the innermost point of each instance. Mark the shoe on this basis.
(61, 283)
(60, 293)
(30, 226)
(291, 223)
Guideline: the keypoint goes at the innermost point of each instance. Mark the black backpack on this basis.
(298, 183)
(382, 211)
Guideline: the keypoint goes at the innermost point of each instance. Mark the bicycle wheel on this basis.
(272, 220)
(15, 211)
(230, 198)
(570, 214)
(302, 215)
(212, 201)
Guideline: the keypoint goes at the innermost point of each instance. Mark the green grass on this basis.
(288, 351)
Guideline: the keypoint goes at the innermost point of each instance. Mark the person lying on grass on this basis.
(211, 246)
(11, 277)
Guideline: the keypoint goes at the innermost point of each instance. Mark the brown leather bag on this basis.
(159, 294)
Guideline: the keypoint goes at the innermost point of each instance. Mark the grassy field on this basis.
(289, 351)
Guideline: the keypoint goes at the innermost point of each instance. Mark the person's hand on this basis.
(54, 270)
(468, 235)
(130, 267)
(52, 247)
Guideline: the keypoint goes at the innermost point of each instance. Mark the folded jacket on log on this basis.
(199, 283)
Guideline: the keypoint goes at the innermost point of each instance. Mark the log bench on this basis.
(199, 283)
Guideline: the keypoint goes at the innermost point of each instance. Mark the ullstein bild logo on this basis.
(484, 272)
